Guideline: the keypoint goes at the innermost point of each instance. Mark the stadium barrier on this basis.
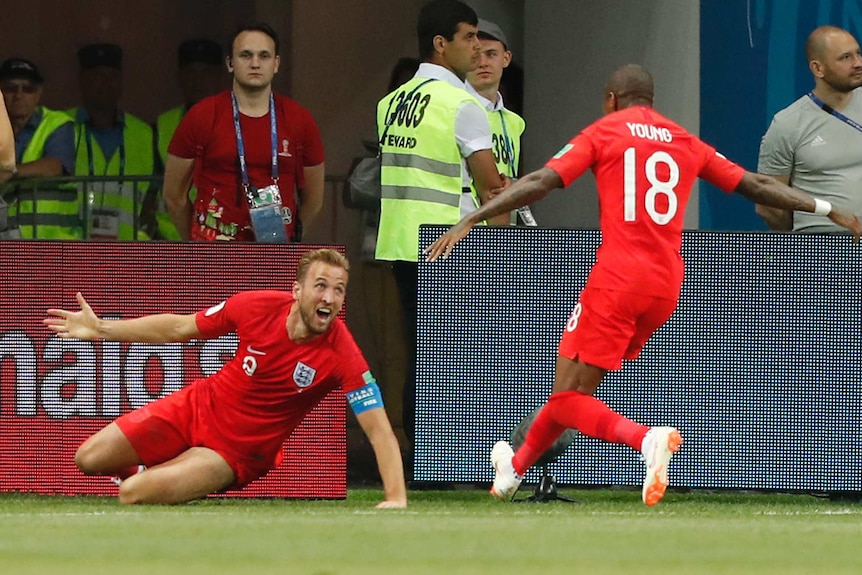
(55, 392)
(759, 366)
(91, 188)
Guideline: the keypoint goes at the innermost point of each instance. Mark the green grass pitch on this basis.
(441, 533)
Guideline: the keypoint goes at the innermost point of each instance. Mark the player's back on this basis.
(645, 166)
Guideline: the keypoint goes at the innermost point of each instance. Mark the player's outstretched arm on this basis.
(85, 324)
(767, 191)
(529, 189)
(376, 426)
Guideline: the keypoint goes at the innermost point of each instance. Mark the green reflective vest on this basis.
(506, 130)
(421, 165)
(116, 201)
(46, 211)
(166, 125)
(507, 127)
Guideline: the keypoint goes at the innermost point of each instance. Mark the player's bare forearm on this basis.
(529, 189)
(391, 469)
(160, 328)
(768, 191)
(376, 426)
(776, 219)
(85, 324)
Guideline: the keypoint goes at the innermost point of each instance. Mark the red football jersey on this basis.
(645, 166)
(265, 390)
(207, 133)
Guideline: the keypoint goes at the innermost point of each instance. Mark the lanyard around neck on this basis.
(509, 150)
(243, 167)
(830, 110)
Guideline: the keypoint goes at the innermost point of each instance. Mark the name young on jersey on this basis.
(650, 132)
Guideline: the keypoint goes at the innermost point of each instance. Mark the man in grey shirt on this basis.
(815, 144)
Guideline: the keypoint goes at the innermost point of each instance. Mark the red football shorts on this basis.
(608, 326)
(165, 428)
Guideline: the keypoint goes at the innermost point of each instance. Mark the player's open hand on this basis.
(392, 504)
(847, 220)
(74, 324)
(443, 245)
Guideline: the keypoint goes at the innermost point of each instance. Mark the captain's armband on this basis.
(366, 397)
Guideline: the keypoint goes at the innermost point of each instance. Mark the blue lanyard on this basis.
(91, 164)
(243, 168)
(830, 110)
(509, 150)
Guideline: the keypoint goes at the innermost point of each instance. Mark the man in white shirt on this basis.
(507, 127)
(435, 141)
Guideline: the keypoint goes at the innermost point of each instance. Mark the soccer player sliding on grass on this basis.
(645, 166)
(227, 430)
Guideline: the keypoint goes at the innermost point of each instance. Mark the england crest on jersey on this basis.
(303, 376)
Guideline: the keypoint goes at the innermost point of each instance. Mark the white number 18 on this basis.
(656, 186)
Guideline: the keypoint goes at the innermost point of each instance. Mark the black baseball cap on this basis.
(200, 50)
(20, 68)
(95, 55)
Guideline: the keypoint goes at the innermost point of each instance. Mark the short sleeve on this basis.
(60, 144)
(573, 159)
(776, 151)
(218, 319)
(312, 149)
(187, 141)
(718, 170)
(352, 366)
(472, 129)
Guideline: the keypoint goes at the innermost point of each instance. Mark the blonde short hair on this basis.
(325, 255)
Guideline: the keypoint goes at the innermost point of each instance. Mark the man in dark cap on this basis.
(200, 73)
(111, 142)
(44, 148)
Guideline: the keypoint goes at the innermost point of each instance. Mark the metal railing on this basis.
(16, 193)
(35, 190)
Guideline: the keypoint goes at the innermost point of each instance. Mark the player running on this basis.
(645, 166)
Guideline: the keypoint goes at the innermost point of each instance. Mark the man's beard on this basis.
(844, 85)
(310, 321)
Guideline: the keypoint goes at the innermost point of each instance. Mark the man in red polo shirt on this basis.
(245, 138)
(645, 166)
